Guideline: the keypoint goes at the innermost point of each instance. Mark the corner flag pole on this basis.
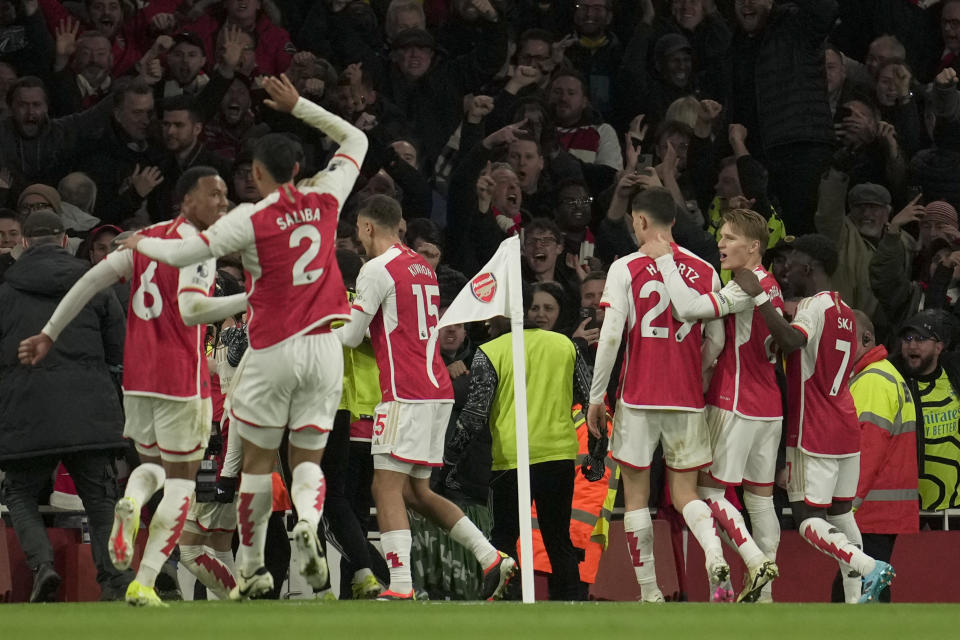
(523, 445)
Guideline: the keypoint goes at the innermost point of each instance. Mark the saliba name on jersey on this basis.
(298, 217)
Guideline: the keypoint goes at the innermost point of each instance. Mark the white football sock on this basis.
(699, 520)
(212, 573)
(765, 528)
(852, 582)
(308, 491)
(165, 528)
(226, 558)
(253, 510)
(396, 551)
(830, 540)
(639, 529)
(731, 522)
(467, 534)
(144, 481)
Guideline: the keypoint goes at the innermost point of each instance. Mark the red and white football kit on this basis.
(661, 385)
(166, 382)
(398, 298)
(291, 375)
(823, 433)
(743, 412)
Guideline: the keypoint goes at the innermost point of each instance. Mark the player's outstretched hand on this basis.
(34, 349)
(131, 241)
(748, 281)
(653, 249)
(283, 95)
(596, 416)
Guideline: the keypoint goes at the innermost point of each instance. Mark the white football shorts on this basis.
(295, 385)
(821, 481)
(174, 430)
(744, 449)
(408, 437)
(211, 517)
(683, 434)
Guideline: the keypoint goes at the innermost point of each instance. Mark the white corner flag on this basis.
(497, 291)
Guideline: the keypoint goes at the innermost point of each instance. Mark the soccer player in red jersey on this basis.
(653, 407)
(823, 431)
(290, 378)
(743, 400)
(398, 298)
(166, 382)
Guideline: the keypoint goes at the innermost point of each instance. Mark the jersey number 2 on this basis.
(147, 289)
(302, 275)
(647, 328)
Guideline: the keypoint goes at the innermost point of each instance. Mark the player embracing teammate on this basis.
(823, 432)
(290, 378)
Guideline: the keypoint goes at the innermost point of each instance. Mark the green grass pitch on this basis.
(292, 620)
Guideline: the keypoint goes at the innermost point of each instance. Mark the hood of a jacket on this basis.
(45, 270)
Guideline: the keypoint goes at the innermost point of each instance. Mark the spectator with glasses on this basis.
(542, 261)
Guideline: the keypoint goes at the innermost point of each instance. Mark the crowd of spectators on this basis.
(491, 118)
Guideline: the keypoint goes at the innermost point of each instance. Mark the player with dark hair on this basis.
(398, 298)
(823, 431)
(291, 377)
(743, 401)
(168, 414)
(653, 408)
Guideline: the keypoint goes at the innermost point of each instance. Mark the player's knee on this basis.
(189, 554)
(708, 493)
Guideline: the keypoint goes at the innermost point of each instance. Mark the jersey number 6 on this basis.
(147, 288)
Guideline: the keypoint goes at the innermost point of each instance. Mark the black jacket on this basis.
(433, 103)
(67, 402)
(789, 87)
